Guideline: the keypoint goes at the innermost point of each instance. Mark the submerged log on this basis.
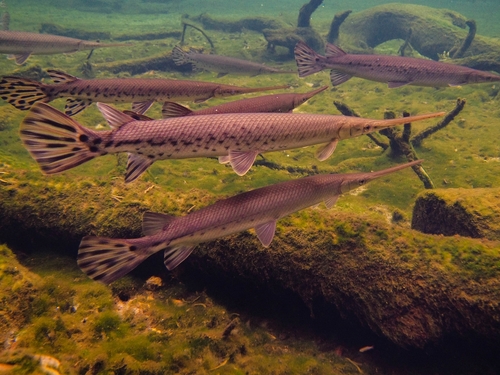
(465, 212)
(434, 31)
(368, 271)
(161, 63)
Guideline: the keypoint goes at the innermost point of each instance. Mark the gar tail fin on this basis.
(22, 93)
(56, 141)
(308, 61)
(179, 56)
(107, 259)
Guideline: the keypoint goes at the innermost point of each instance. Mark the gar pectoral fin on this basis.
(396, 84)
(20, 57)
(74, 106)
(330, 202)
(136, 165)
(242, 161)
(176, 255)
(201, 100)
(153, 222)
(142, 107)
(327, 151)
(171, 109)
(265, 232)
(222, 74)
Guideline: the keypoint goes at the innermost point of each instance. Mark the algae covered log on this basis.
(368, 271)
(433, 30)
(466, 212)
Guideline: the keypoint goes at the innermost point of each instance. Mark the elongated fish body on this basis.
(106, 260)
(222, 64)
(282, 103)
(142, 92)
(396, 71)
(22, 44)
(57, 142)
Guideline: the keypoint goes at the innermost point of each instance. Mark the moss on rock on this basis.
(466, 212)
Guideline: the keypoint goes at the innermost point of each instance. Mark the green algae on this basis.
(92, 199)
(166, 331)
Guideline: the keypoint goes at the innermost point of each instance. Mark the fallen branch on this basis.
(418, 139)
(467, 41)
(338, 19)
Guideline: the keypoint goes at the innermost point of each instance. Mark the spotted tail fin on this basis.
(22, 93)
(56, 141)
(107, 259)
(308, 61)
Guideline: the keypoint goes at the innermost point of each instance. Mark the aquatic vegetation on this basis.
(352, 258)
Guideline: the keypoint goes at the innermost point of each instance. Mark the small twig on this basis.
(355, 365)
(185, 23)
(230, 327)
(221, 364)
(406, 44)
(117, 198)
(148, 189)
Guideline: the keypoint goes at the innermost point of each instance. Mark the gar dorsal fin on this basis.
(331, 50)
(61, 77)
(114, 117)
(153, 222)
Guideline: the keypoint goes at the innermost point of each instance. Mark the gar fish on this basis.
(222, 64)
(21, 44)
(142, 92)
(107, 259)
(57, 142)
(268, 103)
(396, 71)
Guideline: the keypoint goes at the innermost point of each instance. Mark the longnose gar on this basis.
(106, 259)
(222, 64)
(396, 71)
(142, 92)
(21, 44)
(267, 103)
(57, 142)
